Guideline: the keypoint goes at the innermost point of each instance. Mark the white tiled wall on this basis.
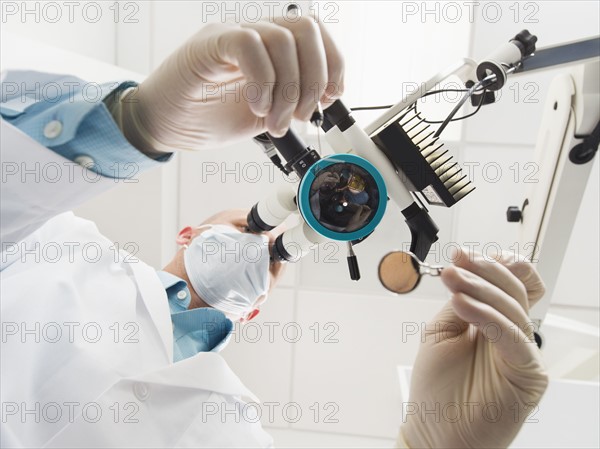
(81, 27)
(352, 362)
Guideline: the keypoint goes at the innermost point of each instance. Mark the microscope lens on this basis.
(344, 197)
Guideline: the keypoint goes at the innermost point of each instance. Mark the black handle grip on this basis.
(353, 268)
(290, 145)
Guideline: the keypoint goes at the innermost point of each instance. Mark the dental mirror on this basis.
(401, 271)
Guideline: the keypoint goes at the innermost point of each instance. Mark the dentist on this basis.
(89, 352)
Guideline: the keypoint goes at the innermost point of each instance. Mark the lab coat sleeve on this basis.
(69, 116)
(49, 121)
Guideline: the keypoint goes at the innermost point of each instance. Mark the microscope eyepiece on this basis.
(279, 253)
(255, 223)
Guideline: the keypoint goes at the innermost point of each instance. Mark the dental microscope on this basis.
(399, 159)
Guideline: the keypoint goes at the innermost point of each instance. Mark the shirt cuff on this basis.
(82, 129)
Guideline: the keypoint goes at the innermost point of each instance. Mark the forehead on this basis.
(236, 217)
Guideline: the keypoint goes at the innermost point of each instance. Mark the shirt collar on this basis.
(194, 330)
(169, 280)
(177, 291)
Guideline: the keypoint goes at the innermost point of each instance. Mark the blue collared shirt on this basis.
(197, 330)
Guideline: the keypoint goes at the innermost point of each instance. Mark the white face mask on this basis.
(228, 269)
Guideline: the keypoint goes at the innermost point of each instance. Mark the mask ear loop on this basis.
(207, 226)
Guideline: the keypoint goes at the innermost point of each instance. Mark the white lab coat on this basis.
(53, 389)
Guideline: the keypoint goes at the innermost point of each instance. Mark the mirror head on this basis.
(399, 272)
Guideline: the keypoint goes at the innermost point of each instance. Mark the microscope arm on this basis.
(565, 148)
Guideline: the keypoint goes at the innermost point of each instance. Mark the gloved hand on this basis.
(232, 81)
(479, 372)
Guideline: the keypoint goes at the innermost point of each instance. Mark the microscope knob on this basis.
(514, 214)
(527, 41)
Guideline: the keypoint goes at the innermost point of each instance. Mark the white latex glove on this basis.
(495, 380)
(232, 81)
